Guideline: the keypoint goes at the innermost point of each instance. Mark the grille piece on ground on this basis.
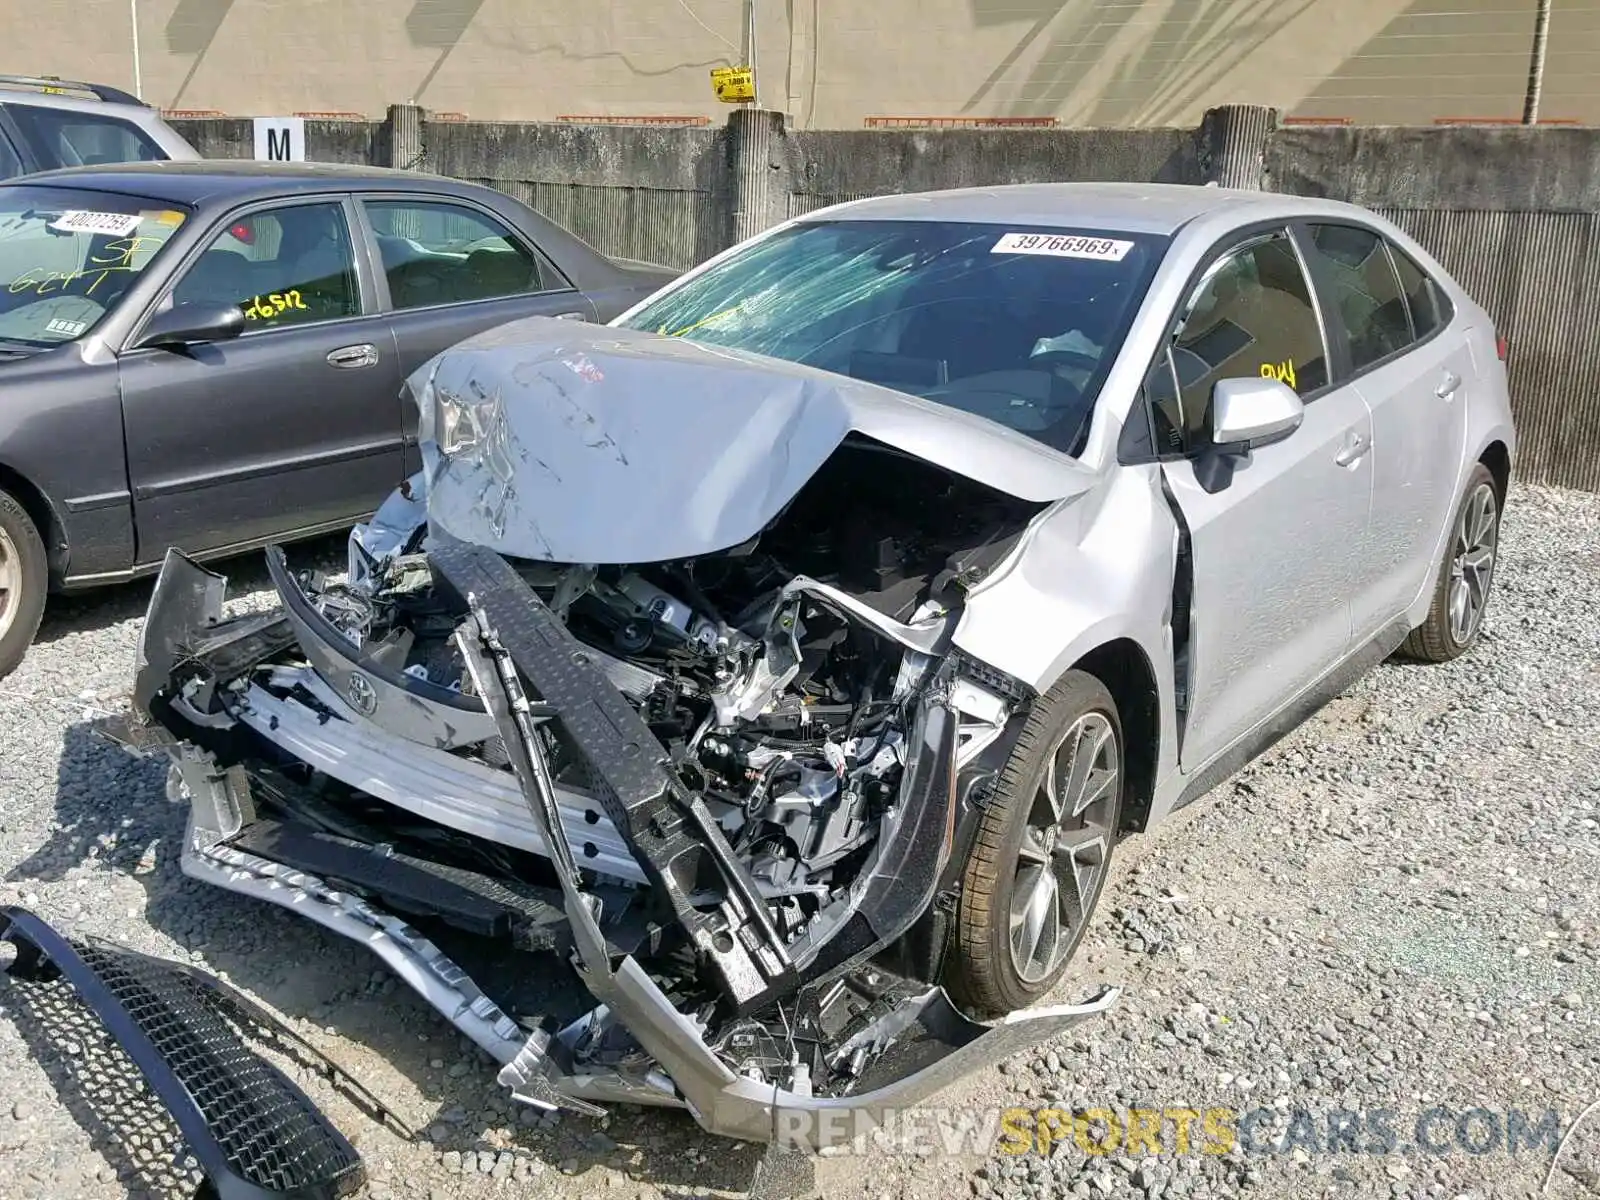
(252, 1131)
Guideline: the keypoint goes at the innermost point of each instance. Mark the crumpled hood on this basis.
(554, 440)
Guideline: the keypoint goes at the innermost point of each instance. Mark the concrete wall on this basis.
(826, 167)
(655, 194)
(827, 64)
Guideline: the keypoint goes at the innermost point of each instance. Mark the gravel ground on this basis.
(1395, 910)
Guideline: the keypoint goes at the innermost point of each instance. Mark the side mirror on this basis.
(1253, 411)
(186, 324)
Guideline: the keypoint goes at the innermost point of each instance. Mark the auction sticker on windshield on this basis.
(1062, 246)
(82, 220)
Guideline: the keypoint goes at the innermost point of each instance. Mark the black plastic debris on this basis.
(253, 1133)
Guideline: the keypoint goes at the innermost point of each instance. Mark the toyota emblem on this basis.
(363, 697)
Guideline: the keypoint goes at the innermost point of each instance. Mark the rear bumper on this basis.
(254, 1133)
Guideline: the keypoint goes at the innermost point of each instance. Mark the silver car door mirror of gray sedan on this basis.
(1253, 411)
(187, 324)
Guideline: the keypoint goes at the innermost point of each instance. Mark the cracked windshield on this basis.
(67, 257)
(1018, 326)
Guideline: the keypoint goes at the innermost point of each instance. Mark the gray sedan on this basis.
(210, 354)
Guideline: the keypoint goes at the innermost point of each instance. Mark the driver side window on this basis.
(284, 266)
(1252, 314)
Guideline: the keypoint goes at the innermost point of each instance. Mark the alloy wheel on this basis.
(10, 582)
(1065, 847)
(1472, 563)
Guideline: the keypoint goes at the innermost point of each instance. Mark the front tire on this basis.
(1461, 591)
(1042, 850)
(24, 576)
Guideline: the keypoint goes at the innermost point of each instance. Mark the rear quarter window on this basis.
(1430, 307)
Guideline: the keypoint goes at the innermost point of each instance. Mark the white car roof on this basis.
(1159, 208)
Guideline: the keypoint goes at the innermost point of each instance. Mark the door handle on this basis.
(364, 355)
(1353, 451)
(1448, 385)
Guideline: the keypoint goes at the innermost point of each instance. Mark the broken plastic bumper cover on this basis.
(922, 1046)
(253, 1132)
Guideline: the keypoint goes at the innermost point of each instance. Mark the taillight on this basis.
(1501, 346)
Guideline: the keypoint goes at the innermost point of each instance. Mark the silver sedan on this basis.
(838, 608)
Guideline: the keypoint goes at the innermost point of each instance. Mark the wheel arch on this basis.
(42, 512)
(1122, 665)
(1497, 457)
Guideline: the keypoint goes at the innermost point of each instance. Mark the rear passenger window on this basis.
(1364, 291)
(447, 254)
(1251, 315)
(1430, 309)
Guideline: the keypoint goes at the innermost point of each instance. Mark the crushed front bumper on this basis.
(923, 1046)
(254, 1134)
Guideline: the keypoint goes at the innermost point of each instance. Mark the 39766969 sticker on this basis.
(1063, 245)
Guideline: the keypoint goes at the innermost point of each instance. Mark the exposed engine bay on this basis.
(732, 790)
(754, 669)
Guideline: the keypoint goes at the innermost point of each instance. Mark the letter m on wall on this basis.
(280, 139)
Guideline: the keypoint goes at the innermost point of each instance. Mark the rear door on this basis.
(1414, 370)
(448, 269)
(1274, 535)
(291, 428)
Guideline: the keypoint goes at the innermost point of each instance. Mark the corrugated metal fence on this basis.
(1538, 274)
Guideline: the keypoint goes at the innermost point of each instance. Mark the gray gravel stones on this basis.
(1398, 908)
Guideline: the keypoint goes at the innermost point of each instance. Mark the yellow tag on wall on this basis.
(733, 85)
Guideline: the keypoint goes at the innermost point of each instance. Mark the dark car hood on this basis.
(554, 440)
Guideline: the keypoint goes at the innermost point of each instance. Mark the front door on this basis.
(292, 427)
(452, 270)
(1274, 535)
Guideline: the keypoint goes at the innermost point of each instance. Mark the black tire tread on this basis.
(1432, 642)
(35, 576)
(976, 979)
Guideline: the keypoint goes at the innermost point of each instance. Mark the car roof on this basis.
(71, 103)
(1158, 208)
(240, 180)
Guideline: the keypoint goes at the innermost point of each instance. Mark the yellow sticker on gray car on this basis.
(1063, 245)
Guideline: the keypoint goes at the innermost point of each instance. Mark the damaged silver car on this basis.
(789, 656)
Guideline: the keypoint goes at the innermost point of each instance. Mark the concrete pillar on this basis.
(403, 132)
(1233, 145)
(760, 183)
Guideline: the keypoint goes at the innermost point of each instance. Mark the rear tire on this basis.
(24, 578)
(1042, 850)
(1461, 591)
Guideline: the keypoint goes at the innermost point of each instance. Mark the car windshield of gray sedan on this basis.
(1019, 324)
(67, 257)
